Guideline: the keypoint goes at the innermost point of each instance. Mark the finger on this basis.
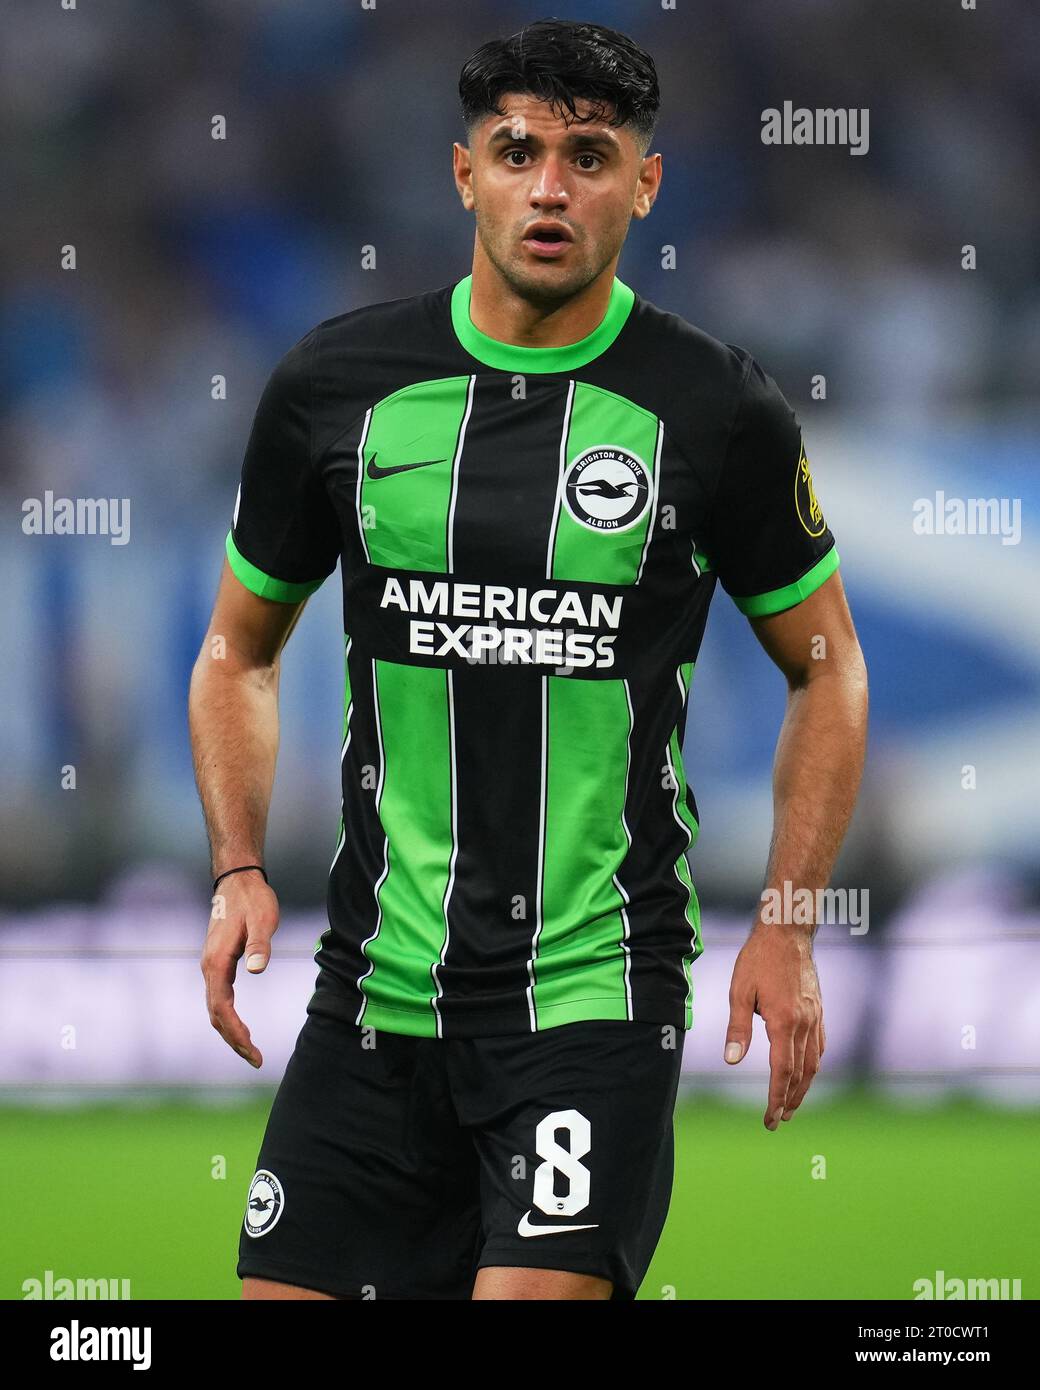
(810, 1065)
(781, 1070)
(220, 999)
(738, 1031)
(257, 955)
(235, 1033)
(257, 950)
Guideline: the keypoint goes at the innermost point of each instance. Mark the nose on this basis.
(550, 188)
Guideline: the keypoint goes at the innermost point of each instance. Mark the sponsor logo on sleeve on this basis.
(805, 500)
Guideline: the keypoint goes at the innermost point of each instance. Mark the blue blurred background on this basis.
(198, 258)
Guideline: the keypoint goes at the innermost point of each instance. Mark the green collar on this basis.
(510, 357)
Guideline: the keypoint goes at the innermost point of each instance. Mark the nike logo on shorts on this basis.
(375, 472)
(526, 1229)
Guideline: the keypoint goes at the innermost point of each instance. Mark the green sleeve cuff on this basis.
(761, 605)
(264, 584)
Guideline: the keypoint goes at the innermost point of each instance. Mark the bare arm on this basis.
(819, 762)
(233, 721)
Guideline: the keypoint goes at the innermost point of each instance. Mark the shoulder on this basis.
(704, 388)
(372, 325)
(701, 382)
(692, 354)
(365, 327)
(346, 363)
(359, 349)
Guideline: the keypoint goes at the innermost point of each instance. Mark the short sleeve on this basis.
(768, 540)
(284, 539)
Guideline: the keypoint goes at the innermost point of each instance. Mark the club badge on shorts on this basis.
(264, 1203)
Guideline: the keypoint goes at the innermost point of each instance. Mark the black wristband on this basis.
(240, 870)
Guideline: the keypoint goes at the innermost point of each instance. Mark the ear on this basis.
(649, 183)
(462, 168)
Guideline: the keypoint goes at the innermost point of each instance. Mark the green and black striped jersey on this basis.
(529, 540)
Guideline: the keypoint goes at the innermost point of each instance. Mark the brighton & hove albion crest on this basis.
(264, 1204)
(607, 488)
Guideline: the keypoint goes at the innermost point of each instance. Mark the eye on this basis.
(515, 150)
(589, 155)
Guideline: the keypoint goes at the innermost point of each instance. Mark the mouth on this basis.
(548, 239)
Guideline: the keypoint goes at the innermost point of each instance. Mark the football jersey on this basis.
(529, 539)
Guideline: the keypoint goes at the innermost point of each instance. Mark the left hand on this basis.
(775, 976)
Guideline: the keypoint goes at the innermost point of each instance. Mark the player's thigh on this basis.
(254, 1289)
(574, 1128)
(365, 1186)
(494, 1282)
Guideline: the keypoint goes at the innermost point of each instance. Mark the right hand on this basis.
(250, 920)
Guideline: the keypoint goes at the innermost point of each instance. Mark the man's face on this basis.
(529, 166)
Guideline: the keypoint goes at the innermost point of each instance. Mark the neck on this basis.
(497, 310)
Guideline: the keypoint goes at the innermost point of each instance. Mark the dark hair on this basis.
(556, 60)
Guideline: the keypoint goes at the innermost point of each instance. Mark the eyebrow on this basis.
(575, 138)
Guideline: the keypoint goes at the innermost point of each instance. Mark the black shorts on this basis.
(395, 1167)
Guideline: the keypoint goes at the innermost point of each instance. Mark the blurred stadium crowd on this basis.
(198, 258)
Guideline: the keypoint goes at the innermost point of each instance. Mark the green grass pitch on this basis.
(128, 1192)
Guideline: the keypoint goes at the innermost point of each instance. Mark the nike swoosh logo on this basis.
(526, 1229)
(376, 472)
